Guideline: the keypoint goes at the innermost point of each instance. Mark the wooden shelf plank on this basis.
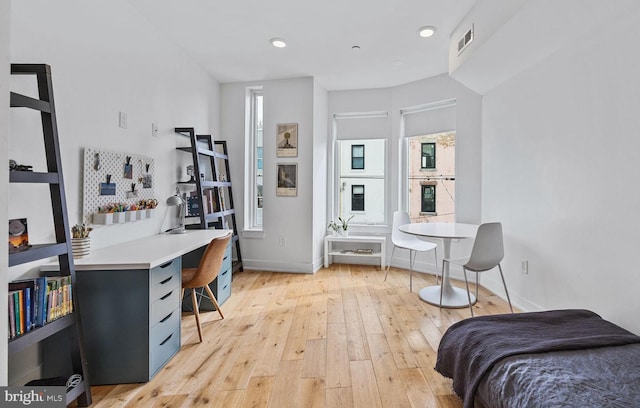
(37, 252)
(33, 177)
(39, 334)
(22, 101)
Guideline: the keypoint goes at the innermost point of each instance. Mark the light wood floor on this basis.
(342, 337)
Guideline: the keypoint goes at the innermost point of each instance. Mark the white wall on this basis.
(560, 170)
(5, 24)
(104, 58)
(287, 218)
(320, 149)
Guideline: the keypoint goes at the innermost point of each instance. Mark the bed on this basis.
(558, 358)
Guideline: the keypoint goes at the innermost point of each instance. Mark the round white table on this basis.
(451, 296)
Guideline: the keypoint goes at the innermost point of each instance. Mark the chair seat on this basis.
(415, 245)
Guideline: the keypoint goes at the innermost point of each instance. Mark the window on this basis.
(357, 157)
(254, 159)
(428, 160)
(357, 197)
(428, 202)
(431, 195)
(361, 191)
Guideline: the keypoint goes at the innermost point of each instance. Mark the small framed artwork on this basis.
(287, 180)
(287, 140)
(18, 235)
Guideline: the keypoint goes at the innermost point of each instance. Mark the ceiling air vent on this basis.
(465, 40)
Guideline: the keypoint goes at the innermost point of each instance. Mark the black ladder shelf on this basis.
(70, 323)
(214, 197)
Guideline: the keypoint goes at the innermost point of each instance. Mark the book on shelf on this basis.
(34, 302)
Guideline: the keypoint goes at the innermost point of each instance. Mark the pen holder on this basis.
(80, 247)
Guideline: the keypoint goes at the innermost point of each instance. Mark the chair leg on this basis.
(435, 256)
(412, 258)
(466, 282)
(196, 312)
(477, 284)
(214, 300)
(441, 283)
(389, 266)
(505, 287)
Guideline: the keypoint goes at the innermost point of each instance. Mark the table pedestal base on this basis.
(451, 297)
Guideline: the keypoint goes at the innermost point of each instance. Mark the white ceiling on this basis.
(230, 39)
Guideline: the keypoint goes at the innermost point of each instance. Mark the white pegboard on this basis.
(113, 163)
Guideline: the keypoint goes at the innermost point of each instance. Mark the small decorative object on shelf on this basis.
(14, 166)
(80, 241)
(18, 235)
(340, 227)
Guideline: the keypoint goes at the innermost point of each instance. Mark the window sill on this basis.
(253, 234)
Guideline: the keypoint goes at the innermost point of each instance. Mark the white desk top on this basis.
(451, 230)
(145, 253)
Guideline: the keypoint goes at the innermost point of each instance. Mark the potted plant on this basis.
(344, 224)
(335, 227)
(340, 227)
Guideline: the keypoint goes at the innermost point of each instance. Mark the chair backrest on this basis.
(400, 218)
(488, 248)
(210, 262)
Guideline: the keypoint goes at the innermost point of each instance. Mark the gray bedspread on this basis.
(603, 377)
(471, 347)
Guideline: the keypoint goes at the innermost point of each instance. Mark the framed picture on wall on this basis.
(287, 140)
(287, 180)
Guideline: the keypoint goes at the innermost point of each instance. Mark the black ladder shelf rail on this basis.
(203, 146)
(62, 247)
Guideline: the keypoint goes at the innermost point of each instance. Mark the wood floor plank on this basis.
(364, 385)
(338, 368)
(390, 386)
(340, 338)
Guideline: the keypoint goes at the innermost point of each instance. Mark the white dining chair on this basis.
(486, 254)
(411, 242)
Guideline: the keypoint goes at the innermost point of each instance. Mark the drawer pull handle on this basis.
(166, 340)
(225, 286)
(166, 318)
(167, 264)
(166, 280)
(166, 296)
(224, 273)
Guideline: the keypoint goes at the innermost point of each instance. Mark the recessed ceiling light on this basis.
(355, 47)
(426, 31)
(278, 42)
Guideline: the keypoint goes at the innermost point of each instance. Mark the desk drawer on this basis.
(226, 261)
(223, 291)
(165, 342)
(165, 278)
(163, 306)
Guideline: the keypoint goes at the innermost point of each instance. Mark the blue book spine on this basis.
(27, 309)
(42, 301)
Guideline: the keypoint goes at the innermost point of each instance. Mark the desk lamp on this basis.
(177, 201)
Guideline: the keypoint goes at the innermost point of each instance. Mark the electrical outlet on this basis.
(524, 267)
(282, 241)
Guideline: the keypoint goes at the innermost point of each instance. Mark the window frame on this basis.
(433, 188)
(361, 197)
(253, 128)
(423, 165)
(353, 156)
